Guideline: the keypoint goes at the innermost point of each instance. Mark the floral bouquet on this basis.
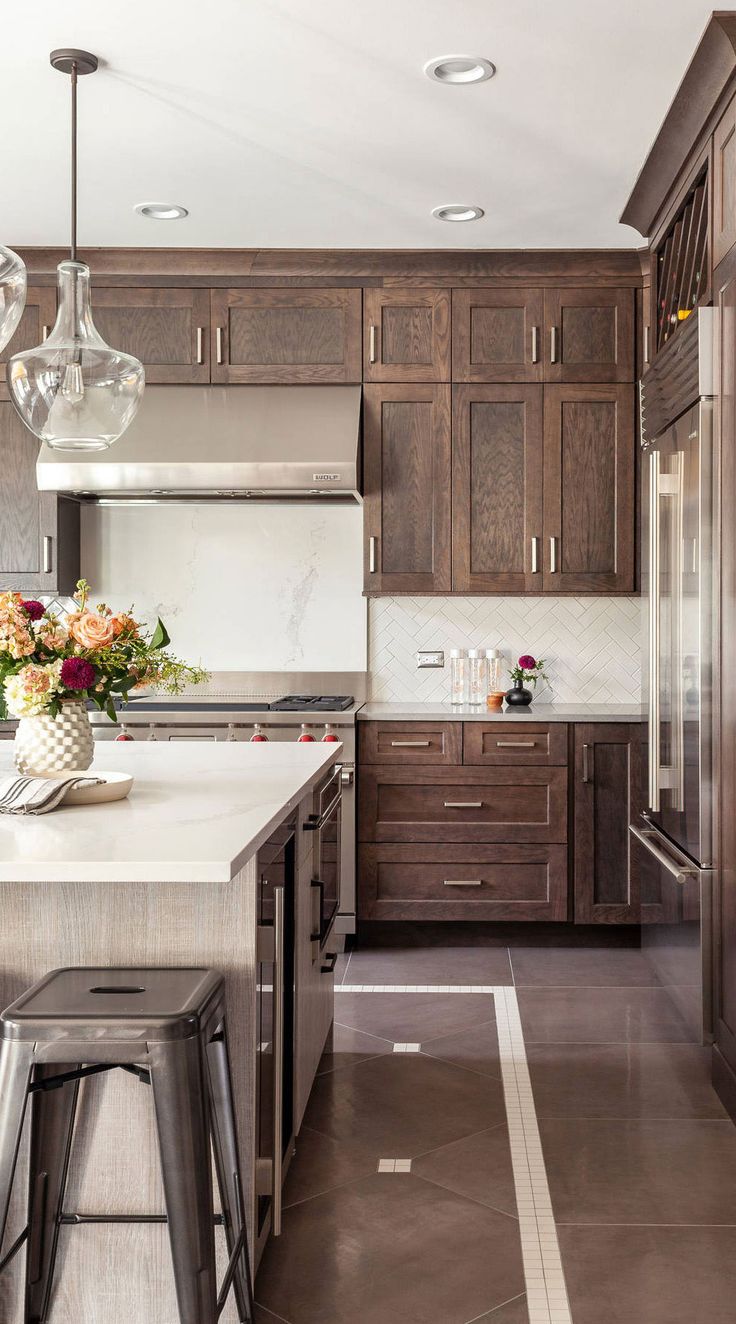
(48, 660)
(528, 669)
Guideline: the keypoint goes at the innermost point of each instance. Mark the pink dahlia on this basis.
(77, 673)
(527, 662)
(33, 608)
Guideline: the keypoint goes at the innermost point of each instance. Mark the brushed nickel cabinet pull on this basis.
(516, 744)
(553, 345)
(410, 744)
(646, 344)
(48, 560)
(218, 342)
(279, 925)
(463, 804)
(586, 768)
(535, 344)
(462, 882)
(372, 344)
(45, 332)
(200, 344)
(372, 546)
(553, 556)
(535, 556)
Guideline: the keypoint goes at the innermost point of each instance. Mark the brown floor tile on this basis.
(565, 966)
(265, 1317)
(478, 1167)
(321, 1163)
(622, 1080)
(341, 966)
(431, 965)
(640, 1171)
(512, 1312)
(650, 1275)
(390, 1250)
(346, 1047)
(475, 1049)
(412, 1017)
(600, 1015)
(403, 1104)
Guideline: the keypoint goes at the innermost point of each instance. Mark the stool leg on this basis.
(16, 1061)
(227, 1162)
(180, 1101)
(52, 1127)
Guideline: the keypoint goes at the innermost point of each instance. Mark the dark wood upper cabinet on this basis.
(167, 329)
(406, 457)
(406, 335)
(589, 335)
(724, 184)
(286, 335)
(39, 531)
(497, 485)
(607, 796)
(589, 477)
(497, 335)
(36, 321)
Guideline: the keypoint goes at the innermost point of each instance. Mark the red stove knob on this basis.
(258, 735)
(124, 734)
(330, 736)
(306, 735)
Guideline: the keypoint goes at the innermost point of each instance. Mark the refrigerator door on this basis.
(677, 517)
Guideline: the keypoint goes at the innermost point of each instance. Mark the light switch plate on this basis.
(431, 659)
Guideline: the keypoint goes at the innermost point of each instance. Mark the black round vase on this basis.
(518, 697)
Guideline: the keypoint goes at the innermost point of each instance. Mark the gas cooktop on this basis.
(290, 703)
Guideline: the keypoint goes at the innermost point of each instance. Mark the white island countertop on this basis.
(196, 813)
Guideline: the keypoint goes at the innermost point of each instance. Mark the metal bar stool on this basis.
(168, 1027)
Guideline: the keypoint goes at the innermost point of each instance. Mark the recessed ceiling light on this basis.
(161, 211)
(457, 211)
(459, 69)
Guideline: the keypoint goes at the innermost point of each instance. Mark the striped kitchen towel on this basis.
(38, 795)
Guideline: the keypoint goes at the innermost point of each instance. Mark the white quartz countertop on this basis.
(196, 813)
(536, 712)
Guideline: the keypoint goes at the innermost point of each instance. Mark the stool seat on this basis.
(160, 1004)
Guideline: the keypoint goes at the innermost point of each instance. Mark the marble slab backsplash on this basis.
(592, 646)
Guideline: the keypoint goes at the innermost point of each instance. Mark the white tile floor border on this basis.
(547, 1301)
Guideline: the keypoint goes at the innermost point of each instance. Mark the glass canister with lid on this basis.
(458, 675)
(477, 675)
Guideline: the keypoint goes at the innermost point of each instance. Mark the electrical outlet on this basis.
(431, 659)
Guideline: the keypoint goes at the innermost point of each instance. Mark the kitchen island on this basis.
(167, 877)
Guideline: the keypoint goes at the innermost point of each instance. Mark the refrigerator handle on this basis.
(653, 727)
(649, 838)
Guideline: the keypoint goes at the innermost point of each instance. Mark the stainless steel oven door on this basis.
(676, 900)
(326, 824)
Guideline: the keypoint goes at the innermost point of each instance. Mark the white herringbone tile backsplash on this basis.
(592, 646)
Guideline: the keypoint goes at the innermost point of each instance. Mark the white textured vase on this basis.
(45, 745)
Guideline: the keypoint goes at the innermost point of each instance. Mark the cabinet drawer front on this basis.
(410, 742)
(494, 804)
(517, 743)
(462, 882)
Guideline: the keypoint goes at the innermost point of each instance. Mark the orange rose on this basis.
(91, 631)
(124, 623)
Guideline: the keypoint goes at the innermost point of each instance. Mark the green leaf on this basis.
(110, 710)
(160, 638)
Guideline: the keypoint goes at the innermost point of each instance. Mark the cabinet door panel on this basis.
(289, 336)
(407, 488)
(606, 797)
(496, 335)
(590, 335)
(39, 532)
(724, 184)
(406, 336)
(589, 475)
(36, 321)
(497, 489)
(168, 330)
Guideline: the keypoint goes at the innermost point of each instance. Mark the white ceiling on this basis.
(282, 123)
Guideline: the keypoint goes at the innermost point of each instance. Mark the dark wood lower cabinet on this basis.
(607, 796)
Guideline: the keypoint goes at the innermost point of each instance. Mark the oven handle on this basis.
(316, 824)
(278, 1056)
(648, 837)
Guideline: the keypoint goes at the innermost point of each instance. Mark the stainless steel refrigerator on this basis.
(673, 839)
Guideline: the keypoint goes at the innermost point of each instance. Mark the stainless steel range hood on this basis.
(222, 442)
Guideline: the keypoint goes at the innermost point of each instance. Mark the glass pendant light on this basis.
(12, 293)
(73, 391)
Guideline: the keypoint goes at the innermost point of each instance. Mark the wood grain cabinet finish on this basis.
(497, 335)
(468, 805)
(531, 744)
(167, 329)
(724, 184)
(39, 531)
(406, 465)
(589, 478)
(497, 489)
(273, 336)
(607, 796)
(439, 743)
(589, 335)
(406, 335)
(36, 321)
(451, 882)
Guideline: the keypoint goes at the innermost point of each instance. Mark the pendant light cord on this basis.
(74, 162)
